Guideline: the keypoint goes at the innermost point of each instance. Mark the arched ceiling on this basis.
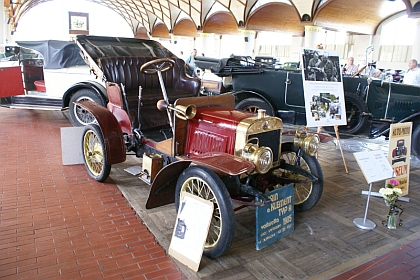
(160, 18)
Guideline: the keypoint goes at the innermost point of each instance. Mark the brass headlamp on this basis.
(261, 157)
(308, 142)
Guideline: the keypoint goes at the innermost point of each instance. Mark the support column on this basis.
(314, 36)
(248, 43)
(415, 51)
(175, 46)
(3, 23)
(207, 46)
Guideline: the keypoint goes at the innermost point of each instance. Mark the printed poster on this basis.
(399, 153)
(191, 230)
(323, 88)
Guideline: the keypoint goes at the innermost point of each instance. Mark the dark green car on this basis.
(371, 105)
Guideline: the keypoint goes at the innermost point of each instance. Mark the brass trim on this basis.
(253, 125)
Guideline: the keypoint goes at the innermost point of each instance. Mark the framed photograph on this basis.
(78, 23)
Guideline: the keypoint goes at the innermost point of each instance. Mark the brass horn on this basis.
(182, 112)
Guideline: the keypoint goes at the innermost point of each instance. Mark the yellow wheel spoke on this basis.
(200, 188)
(302, 190)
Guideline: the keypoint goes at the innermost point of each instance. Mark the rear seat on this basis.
(126, 71)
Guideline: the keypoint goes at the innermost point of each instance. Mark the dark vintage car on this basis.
(371, 105)
(198, 145)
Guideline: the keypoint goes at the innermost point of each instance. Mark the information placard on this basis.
(323, 88)
(374, 165)
(191, 229)
(276, 219)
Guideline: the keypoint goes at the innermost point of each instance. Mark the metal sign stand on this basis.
(375, 167)
(364, 223)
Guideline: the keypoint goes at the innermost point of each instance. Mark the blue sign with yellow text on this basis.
(276, 219)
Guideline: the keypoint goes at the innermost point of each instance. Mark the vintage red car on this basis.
(207, 148)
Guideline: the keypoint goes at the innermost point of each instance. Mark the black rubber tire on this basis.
(78, 115)
(306, 195)
(222, 225)
(94, 153)
(253, 104)
(415, 141)
(356, 121)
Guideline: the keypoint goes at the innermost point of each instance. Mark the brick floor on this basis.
(56, 222)
(403, 263)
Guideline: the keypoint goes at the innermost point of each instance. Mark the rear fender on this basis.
(111, 131)
(244, 94)
(99, 88)
(163, 187)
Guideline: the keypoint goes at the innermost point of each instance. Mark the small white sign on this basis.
(71, 145)
(191, 230)
(374, 165)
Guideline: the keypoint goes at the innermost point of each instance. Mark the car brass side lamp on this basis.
(309, 143)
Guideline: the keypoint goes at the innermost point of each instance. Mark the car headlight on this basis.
(261, 157)
(309, 143)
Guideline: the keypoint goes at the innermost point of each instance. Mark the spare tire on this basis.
(253, 104)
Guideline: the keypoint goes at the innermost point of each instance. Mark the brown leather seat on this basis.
(126, 70)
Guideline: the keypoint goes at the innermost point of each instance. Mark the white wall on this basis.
(50, 20)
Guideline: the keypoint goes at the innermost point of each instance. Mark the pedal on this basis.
(133, 170)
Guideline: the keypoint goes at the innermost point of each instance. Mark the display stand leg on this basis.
(341, 149)
(364, 223)
(318, 131)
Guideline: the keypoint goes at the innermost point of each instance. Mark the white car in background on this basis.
(49, 75)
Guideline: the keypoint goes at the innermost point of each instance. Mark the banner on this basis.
(399, 153)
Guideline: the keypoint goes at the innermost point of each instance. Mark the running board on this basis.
(33, 107)
(31, 102)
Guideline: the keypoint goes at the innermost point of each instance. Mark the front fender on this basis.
(162, 191)
(99, 88)
(163, 187)
(413, 117)
(111, 131)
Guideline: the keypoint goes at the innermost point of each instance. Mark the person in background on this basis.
(191, 61)
(412, 76)
(350, 68)
(374, 73)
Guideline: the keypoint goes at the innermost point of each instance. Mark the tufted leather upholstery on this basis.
(126, 71)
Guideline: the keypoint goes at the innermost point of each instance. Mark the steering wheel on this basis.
(155, 65)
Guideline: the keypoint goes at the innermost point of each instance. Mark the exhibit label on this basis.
(276, 219)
